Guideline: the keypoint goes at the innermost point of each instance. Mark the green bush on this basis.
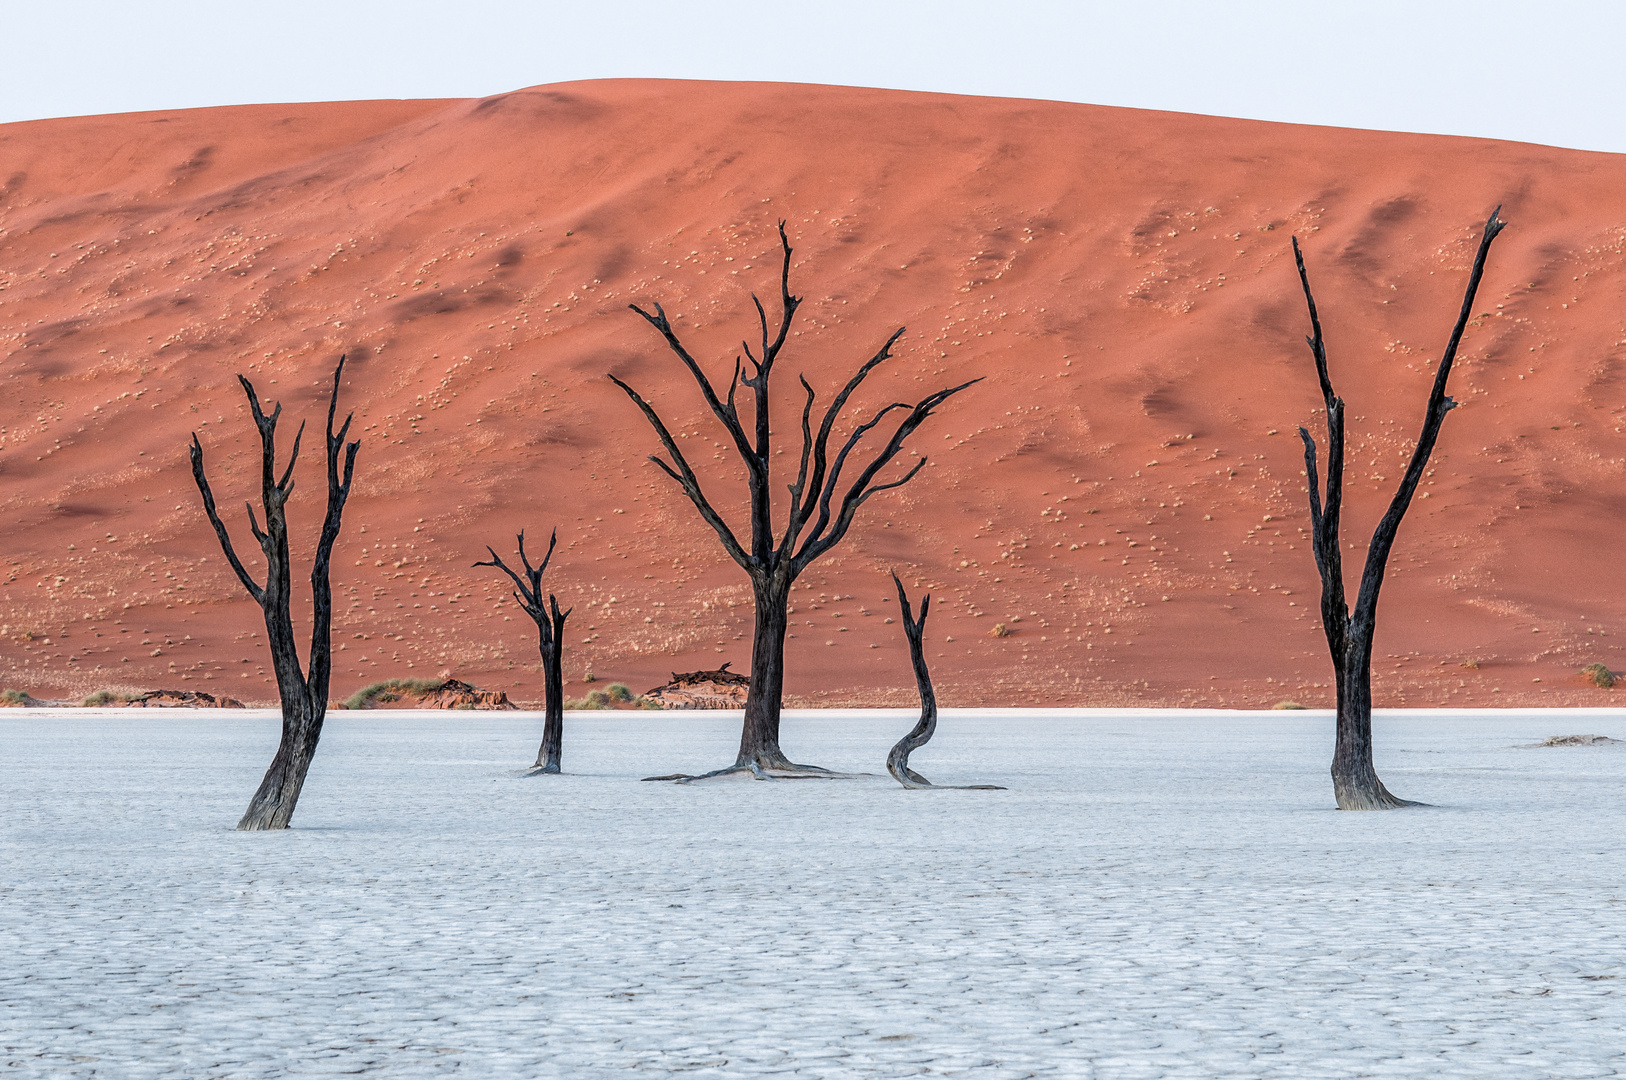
(13, 697)
(1600, 676)
(618, 692)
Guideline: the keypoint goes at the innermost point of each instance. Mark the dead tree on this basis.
(550, 628)
(304, 698)
(897, 762)
(820, 511)
(1349, 632)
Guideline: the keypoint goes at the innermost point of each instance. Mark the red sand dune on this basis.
(1123, 278)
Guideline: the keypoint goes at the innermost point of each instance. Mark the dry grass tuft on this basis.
(1287, 705)
(387, 691)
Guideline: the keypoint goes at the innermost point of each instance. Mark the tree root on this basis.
(760, 772)
(1373, 796)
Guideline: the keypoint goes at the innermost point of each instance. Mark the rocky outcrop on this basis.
(719, 689)
(453, 694)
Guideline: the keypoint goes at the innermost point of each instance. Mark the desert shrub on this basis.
(641, 702)
(1287, 705)
(104, 697)
(13, 697)
(618, 692)
(1599, 675)
(1000, 630)
(598, 699)
(380, 693)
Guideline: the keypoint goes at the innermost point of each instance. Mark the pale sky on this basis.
(1546, 71)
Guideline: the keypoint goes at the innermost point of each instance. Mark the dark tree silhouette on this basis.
(897, 762)
(1349, 633)
(550, 628)
(820, 511)
(304, 698)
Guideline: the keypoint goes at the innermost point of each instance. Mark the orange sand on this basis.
(1124, 279)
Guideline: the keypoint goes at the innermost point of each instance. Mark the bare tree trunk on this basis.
(897, 762)
(272, 806)
(304, 698)
(1349, 632)
(553, 697)
(759, 735)
(821, 510)
(550, 630)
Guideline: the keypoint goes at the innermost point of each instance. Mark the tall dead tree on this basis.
(1349, 632)
(304, 698)
(821, 510)
(897, 762)
(550, 628)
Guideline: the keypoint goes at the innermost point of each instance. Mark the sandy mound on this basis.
(718, 689)
(1127, 481)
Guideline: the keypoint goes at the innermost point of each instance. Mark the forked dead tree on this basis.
(550, 628)
(304, 697)
(897, 762)
(821, 509)
(1349, 632)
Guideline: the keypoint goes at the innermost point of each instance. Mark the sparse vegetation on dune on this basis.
(379, 693)
(1600, 676)
(106, 697)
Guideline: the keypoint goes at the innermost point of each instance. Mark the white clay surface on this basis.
(1157, 895)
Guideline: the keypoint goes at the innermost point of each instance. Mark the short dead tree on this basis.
(1349, 633)
(897, 762)
(550, 628)
(821, 509)
(304, 697)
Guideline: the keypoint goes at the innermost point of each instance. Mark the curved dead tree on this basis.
(550, 628)
(304, 697)
(897, 762)
(822, 505)
(1349, 632)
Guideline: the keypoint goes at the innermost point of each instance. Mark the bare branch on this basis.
(724, 413)
(821, 442)
(254, 589)
(1383, 538)
(285, 485)
(860, 491)
(798, 487)
(338, 493)
(686, 478)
